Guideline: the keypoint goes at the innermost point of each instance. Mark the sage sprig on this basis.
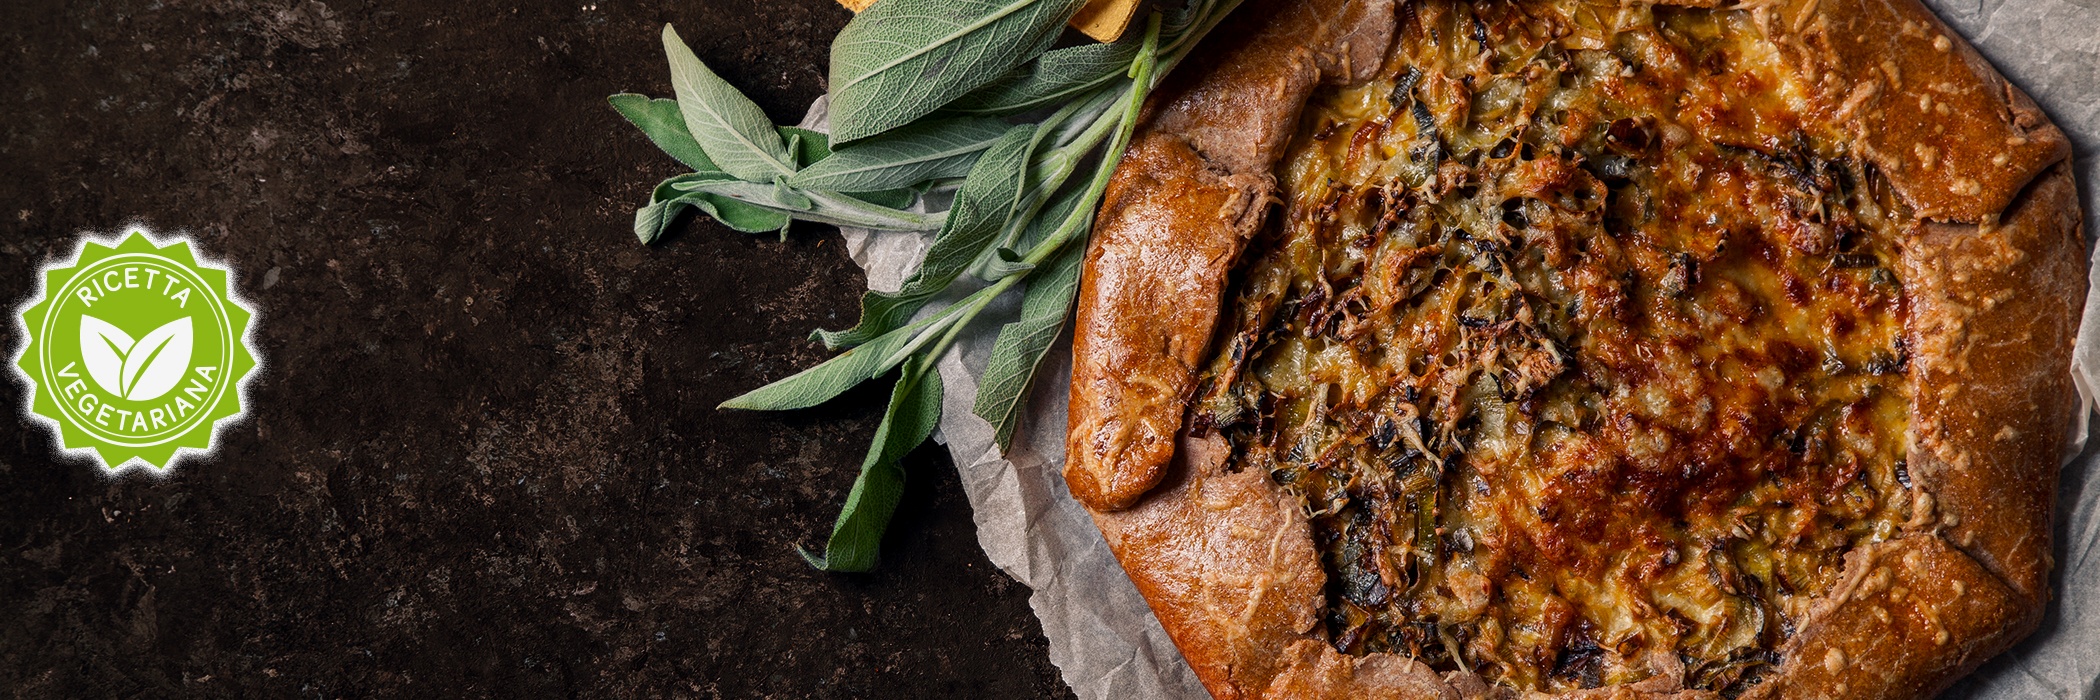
(922, 152)
(925, 92)
(902, 59)
(981, 210)
(731, 128)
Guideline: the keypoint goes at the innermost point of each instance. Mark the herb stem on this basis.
(1078, 111)
(1134, 99)
(945, 185)
(1085, 142)
(1057, 166)
(1100, 96)
(982, 297)
(849, 211)
(1088, 110)
(948, 319)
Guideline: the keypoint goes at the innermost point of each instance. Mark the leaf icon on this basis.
(139, 370)
(102, 349)
(158, 361)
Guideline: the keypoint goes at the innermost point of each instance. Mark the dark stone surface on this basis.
(482, 458)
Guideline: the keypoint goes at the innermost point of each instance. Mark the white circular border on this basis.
(218, 391)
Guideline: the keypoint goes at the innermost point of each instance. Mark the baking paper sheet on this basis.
(1106, 641)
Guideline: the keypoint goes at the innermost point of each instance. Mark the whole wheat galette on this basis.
(1509, 347)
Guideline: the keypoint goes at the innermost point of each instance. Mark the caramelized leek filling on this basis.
(1579, 335)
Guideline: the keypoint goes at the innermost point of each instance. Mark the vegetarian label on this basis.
(136, 350)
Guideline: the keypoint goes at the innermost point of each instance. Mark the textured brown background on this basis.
(482, 458)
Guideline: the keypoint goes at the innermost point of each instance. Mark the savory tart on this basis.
(1493, 348)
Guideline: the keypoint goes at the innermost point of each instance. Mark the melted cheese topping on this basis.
(1580, 340)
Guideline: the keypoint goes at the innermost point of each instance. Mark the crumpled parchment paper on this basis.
(1109, 646)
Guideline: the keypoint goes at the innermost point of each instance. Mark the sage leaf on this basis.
(815, 205)
(1021, 345)
(1084, 114)
(1005, 263)
(794, 142)
(772, 195)
(922, 151)
(660, 120)
(747, 218)
(843, 209)
(731, 128)
(1054, 215)
(667, 201)
(794, 198)
(822, 382)
(810, 146)
(1175, 22)
(894, 199)
(981, 209)
(651, 220)
(1051, 79)
(915, 408)
(902, 59)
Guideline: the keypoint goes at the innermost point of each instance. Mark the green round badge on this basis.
(136, 350)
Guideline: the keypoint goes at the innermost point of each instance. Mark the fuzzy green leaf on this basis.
(678, 185)
(669, 200)
(980, 213)
(811, 146)
(822, 382)
(731, 128)
(1051, 79)
(660, 121)
(895, 199)
(1020, 347)
(738, 215)
(902, 59)
(650, 221)
(1005, 263)
(904, 157)
(816, 205)
(915, 408)
(769, 195)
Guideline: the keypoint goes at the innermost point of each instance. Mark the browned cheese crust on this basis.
(1991, 263)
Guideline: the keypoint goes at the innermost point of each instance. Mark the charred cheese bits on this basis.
(1505, 349)
(1578, 343)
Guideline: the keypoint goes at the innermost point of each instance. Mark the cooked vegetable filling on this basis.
(1580, 343)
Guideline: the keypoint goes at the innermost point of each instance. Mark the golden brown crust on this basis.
(1226, 559)
(1993, 313)
(1956, 140)
(1191, 189)
(1315, 671)
(1911, 616)
(1238, 115)
(1170, 230)
(1994, 310)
